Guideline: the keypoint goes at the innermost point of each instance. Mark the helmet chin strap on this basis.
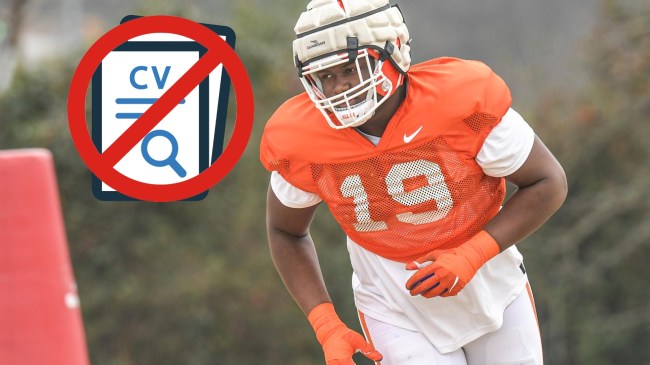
(357, 114)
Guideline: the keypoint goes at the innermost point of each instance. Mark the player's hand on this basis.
(343, 343)
(338, 341)
(446, 272)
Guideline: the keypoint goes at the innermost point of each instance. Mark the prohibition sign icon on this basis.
(103, 164)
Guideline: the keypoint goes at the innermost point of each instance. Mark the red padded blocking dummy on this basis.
(40, 318)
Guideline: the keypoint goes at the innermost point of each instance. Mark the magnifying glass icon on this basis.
(170, 160)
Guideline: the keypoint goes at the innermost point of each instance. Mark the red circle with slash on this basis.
(103, 164)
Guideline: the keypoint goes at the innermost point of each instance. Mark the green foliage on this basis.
(177, 283)
(589, 262)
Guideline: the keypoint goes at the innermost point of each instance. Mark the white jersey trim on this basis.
(507, 146)
(290, 195)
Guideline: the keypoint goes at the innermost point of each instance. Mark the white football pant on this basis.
(517, 342)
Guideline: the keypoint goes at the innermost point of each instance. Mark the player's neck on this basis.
(376, 125)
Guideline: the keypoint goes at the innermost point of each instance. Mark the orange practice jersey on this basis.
(420, 188)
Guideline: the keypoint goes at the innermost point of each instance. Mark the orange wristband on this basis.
(324, 320)
(479, 249)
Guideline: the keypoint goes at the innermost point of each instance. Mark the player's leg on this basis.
(517, 342)
(400, 346)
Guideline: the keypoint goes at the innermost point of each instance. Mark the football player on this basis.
(411, 160)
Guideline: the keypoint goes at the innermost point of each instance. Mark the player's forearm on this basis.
(297, 263)
(527, 209)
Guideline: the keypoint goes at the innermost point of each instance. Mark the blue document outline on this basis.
(204, 100)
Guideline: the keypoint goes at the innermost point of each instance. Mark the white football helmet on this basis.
(335, 32)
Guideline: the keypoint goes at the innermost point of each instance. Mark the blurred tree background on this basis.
(192, 282)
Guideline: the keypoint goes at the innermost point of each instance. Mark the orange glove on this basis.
(338, 341)
(446, 272)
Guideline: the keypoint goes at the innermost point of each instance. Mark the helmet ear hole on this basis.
(393, 79)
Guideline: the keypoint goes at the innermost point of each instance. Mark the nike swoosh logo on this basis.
(408, 139)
